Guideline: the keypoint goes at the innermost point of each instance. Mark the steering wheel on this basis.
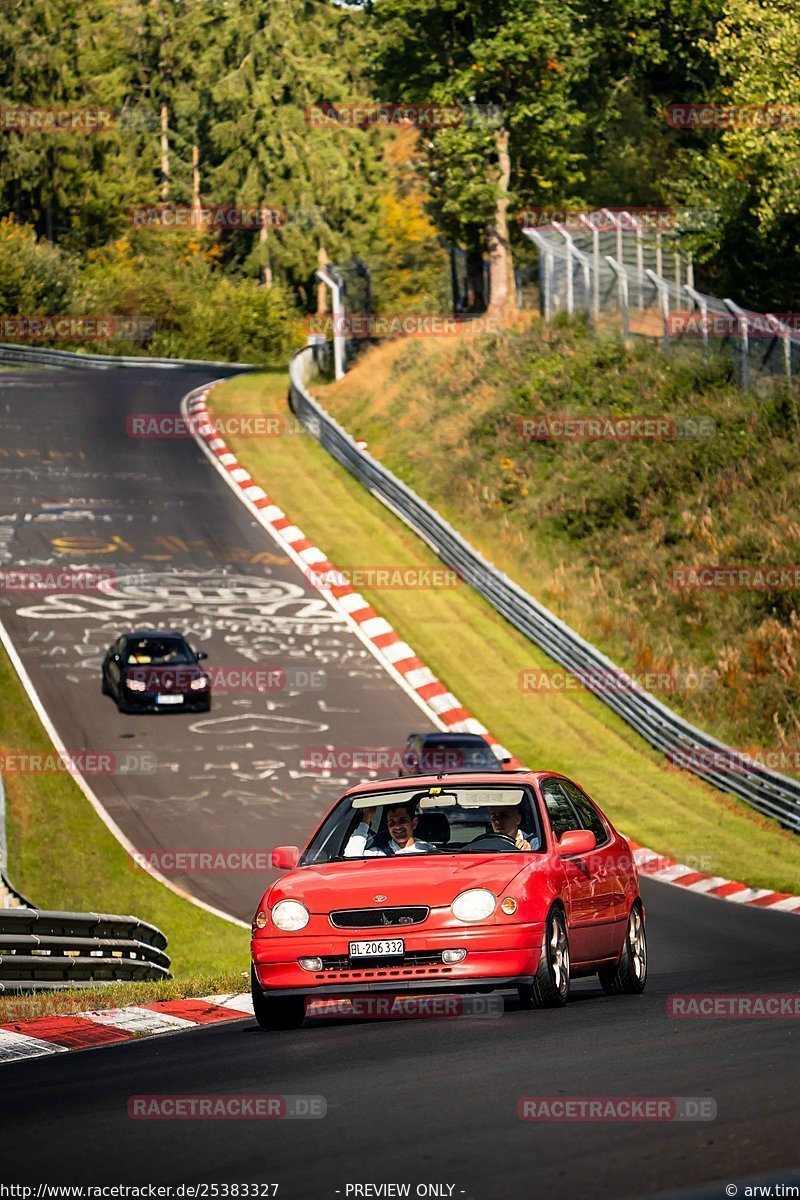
(508, 843)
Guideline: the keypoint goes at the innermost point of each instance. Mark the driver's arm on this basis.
(357, 842)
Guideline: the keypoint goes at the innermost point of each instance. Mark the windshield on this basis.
(159, 652)
(457, 756)
(445, 819)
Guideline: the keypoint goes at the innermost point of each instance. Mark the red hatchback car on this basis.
(468, 882)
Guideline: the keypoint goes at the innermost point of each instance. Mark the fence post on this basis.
(640, 263)
(702, 303)
(744, 334)
(786, 339)
(662, 287)
(579, 256)
(659, 254)
(338, 321)
(596, 265)
(622, 291)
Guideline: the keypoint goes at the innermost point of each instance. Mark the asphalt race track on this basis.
(435, 1101)
(408, 1101)
(77, 492)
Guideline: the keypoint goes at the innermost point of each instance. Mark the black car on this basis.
(444, 753)
(153, 670)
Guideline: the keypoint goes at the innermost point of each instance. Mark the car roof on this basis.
(145, 633)
(452, 739)
(457, 778)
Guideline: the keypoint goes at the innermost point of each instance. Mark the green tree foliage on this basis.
(750, 173)
(513, 66)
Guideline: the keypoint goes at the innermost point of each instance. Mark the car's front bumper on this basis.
(497, 957)
(148, 701)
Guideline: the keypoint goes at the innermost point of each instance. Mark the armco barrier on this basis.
(46, 950)
(38, 357)
(771, 793)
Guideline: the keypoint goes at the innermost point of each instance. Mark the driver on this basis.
(506, 820)
(401, 821)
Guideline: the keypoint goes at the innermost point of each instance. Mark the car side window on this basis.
(561, 813)
(120, 646)
(586, 811)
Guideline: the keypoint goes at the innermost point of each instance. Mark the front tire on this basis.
(276, 1012)
(629, 977)
(550, 987)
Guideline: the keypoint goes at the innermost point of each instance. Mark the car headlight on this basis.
(474, 905)
(290, 915)
(198, 684)
(136, 685)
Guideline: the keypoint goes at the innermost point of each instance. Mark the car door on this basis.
(581, 918)
(609, 898)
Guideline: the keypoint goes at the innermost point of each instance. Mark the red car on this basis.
(468, 882)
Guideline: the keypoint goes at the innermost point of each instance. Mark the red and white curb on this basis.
(107, 1026)
(407, 668)
(395, 655)
(666, 870)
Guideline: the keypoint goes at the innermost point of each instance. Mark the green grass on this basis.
(594, 528)
(479, 656)
(117, 995)
(62, 856)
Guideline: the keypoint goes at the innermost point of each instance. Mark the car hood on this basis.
(434, 880)
(177, 676)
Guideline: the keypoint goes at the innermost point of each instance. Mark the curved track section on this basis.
(78, 493)
(435, 1101)
(428, 1102)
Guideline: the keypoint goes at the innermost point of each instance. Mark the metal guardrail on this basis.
(40, 357)
(769, 792)
(48, 950)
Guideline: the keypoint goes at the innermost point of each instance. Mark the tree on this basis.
(750, 173)
(512, 66)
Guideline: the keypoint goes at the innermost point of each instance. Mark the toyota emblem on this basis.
(378, 899)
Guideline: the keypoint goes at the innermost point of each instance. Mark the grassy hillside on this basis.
(478, 655)
(594, 528)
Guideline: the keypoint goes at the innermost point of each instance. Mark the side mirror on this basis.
(576, 841)
(201, 654)
(284, 858)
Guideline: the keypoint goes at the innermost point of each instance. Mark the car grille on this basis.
(415, 964)
(412, 958)
(371, 918)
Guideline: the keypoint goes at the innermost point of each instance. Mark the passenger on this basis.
(401, 821)
(506, 819)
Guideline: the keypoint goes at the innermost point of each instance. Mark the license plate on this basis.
(169, 699)
(382, 949)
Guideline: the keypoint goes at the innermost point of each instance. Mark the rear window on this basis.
(450, 756)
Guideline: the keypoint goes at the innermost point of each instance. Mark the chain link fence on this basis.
(616, 271)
